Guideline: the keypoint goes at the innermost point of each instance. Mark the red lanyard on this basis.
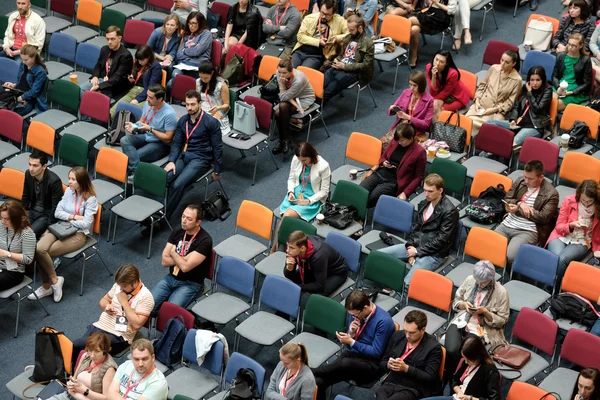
(91, 367)
(305, 178)
(278, 20)
(411, 106)
(138, 78)
(407, 352)
(362, 328)
(467, 372)
(164, 49)
(185, 248)
(149, 120)
(524, 198)
(288, 381)
(206, 95)
(524, 112)
(135, 384)
(188, 134)
(76, 209)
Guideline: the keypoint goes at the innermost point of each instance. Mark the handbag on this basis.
(216, 206)
(539, 32)
(234, 70)
(244, 118)
(338, 216)
(8, 99)
(270, 91)
(453, 135)
(510, 356)
(578, 132)
(62, 230)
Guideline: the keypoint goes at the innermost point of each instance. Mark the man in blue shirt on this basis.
(155, 131)
(368, 333)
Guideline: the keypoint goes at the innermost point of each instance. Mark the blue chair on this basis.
(536, 57)
(238, 361)
(9, 69)
(191, 382)
(219, 307)
(341, 397)
(85, 59)
(264, 328)
(535, 263)
(350, 250)
(133, 109)
(392, 213)
(63, 47)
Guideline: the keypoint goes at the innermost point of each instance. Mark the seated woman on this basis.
(530, 114)
(577, 227)
(401, 168)
(293, 86)
(588, 385)
(215, 94)
(17, 244)
(164, 41)
(292, 378)
(196, 45)
(31, 79)
(77, 206)
(415, 105)
(575, 68)
(146, 72)
(445, 86)
(244, 26)
(436, 20)
(95, 370)
(462, 22)
(354, 63)
(578, 21)
(497, 93)
(595, 50)
(364, 9)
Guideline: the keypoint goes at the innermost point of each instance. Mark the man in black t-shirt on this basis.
(187, 255)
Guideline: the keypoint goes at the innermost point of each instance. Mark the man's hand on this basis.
(411, 251)
(281, 27)
(290, 263)
(134, 101)
(170, 167)
(344, 338)
(145, 127)
(397, 365)
(128, 126)
(268, 22)
(338, 65)
(354, 325)
(110, 310)
(16, 53)
(322, 42)
(216, 176)
(526, 210)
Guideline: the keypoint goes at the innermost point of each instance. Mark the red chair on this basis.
(264, 111)
(96, 106)
(64, 7)
(11, 128)
(537, 149)
(162, 4)
(223, 10)
(216, 50)
(169, 310)
(492, 139)
(137, 32)
(181, 85)
(250, 57)
(493, 54)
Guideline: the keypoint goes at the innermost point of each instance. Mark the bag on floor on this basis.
(8, 99)
(234, 70)
(117, 129)
(244, 386)
(575, 308)
(53, 352)
(452, 134)
(169, 348)
(539, 32)
(578, 132)
(244, 118)
(270, 91)
(216, 206)
(488, 207)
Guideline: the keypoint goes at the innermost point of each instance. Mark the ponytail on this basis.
(303, 354)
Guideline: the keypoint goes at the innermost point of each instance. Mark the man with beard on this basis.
(24, 27)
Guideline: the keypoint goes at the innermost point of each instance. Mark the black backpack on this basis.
(244, 386)
(575, 308)
(578, 132)
(169, 348)
(117, 129)
(270, 91)
(488, 208)
(53, 352)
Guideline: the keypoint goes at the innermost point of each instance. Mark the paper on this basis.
(185, 67)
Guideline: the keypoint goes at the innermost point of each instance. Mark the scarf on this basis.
(310, 249)
(98, 375)
(476, 290)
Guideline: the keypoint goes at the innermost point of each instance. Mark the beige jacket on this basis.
(338, 28)
(498, 305)
(35, 31)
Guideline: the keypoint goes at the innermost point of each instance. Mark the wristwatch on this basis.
(9, 254)
(87, 391)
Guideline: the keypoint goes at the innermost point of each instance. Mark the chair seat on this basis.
(324, 229)
(481, 75)
(561, 381)
(596, 155)
(561, 154)
(313, 107)
(516, 174)
(191, 383)
(477, 163)
(383, 301)
(8, 150)
(20, 162)
(99, 41)
(81, 33)
(563, 191)
(85, 130)
(319, 349)
(220, 308)
(240, 246)
(56, 119)
(416, 200)
(137, 208)
(179, 110)
(106, 191)
(82, 77)
(371, 237)
(534, 366)
(272, 265)
(20, 382)
(434, 321)
(523, 294)
(151, 16)
(564, 323)
(480, 6)
(387, 56)
(343, 174)
(462, 272)
(128, 9)
(55, 24)
(102, 143)
(63, 172)
(57, 70)
(346, 285)
(468, 223)
(245, 144)
(264, 328)
(5, 294)
(253, 91)
(88, 243)
(163, 161)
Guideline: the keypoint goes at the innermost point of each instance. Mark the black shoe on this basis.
(281, 145)
(287, 145)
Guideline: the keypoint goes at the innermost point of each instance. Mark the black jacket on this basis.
(324, 262)
(423, 375)
(484, 385)
(120, 68)
(539, 107)
(434, 237)
(583, 73)
(250, 23)
(51, 191)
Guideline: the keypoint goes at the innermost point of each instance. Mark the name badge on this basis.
(121, 323)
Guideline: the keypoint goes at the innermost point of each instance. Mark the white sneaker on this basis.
(58, 289)
(41, 293)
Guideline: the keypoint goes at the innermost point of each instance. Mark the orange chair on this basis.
(582, 279)
(90, 13)
(432, 289)
(553, 114)
(266, 69)
(576, 112)
(482, 180)
(301, 5)
(525, 391)
(39, 136)
(463, 121)
(575, 168)
(470, 81)
(317, 81)
(254, 218)
(12, 183)
(361, 148)
(398, 28)
(163, 80)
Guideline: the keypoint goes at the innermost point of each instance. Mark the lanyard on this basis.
(288, 380)
(326, 31)
(411, 105)
(524, 198)
(524, 112)
(305, 178)
(407, 352)
(138, 78)
(135, 384)
(277, 19)
(189, 133)
(185, 248)
(149, 120)
(206, 95)
(362, 328)
(190, 41)
(91, 367)
(76, 209)
(468, 371)
(11, 240)
(164, 48)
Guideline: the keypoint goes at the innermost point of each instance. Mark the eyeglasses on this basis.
(192, 23)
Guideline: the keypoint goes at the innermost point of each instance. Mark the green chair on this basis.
(3, 25)
(152, 180)
(455, 178)
(109, 17)
(181, 397)
(327, 316)
(73, 150)
(65, 94)
(347, 193)
(386, 271)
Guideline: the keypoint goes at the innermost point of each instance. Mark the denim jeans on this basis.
(521, 134)
(88, 85)
(596, 328)
(17, 58)
(137, 149)
(181, 293)
(336, 80)
(186, 174)
(428, 263)
(566, 253)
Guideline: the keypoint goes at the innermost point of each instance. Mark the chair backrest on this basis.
(537, 329)
(112, 163)
(222, 9)
(41, 136)
(112, 17)
(62, 46)
(268, 67)
(363, 148)
(181, 84)
(396, 27)
(256, 218)
(301, 5)
(316, 80)
(169, 310)
(453, 173)
(540, 149)
(12, 124)
(264, 111)
(211, 266)
(576, 112)
(325, 314)
(463, 121)
(281, 294)
(137, 31)
(151, 179)
(73, 149)
(484, 179)
(289, 225)
(469, 79)
(431, 288)
(442, 365)
(347, 247)
(215, 54)
(385, 269)
(536, 263)
(496, 140)
(90, 12)
(577, 167)
(132, 108)
(162, 4)
(535, 58)
(64, 7)
(582, 279)
(213, 361)
(236, 275)
(581, 348)
(12, 182)
(349, 193)
(394, 213)
(9, 68)
(485, 244)
(95, 105)
(67, 94)
(525, 391)
(238, 361)
(97, 219)
(494, 50)
(87, 55)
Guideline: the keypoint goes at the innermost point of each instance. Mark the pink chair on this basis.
(492, 139)
(492, 54)
(538, 149)
(96, 106)
(137, 32)
(169, 310)
(223, 10)
(216, 50)
(11, 128)
(181, 85)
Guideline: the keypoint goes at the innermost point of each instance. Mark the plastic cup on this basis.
(215, 33)
(353, 174)
(320, 218)
(564, 85)
(431, 150)
(73, 78)
(564, 140)
(527, 45)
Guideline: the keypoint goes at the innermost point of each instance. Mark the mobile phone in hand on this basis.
(504, 201)
(472, 308)
(395, 109)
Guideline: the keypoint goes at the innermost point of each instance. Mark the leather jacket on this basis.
(485, 384)
(435, 236)
(539, 107)
(583, 73)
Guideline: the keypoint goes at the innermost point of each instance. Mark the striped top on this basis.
(23, 243)
(515, 222)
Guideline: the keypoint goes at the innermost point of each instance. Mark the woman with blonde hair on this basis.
(575, 69)
(164, 41)
(292, 378)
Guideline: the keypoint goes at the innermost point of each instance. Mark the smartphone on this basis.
(472, 308)
(136, 126)
(504, 201)
(395, 109)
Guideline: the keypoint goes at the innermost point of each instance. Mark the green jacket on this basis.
(364, 57)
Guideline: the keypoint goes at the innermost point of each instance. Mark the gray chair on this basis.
(360, 88)
(485, 6)
(362, 148)
(20, 382)
(16, 291)
(350, 250)
(347, 194)
(39, 136)
(129, 10)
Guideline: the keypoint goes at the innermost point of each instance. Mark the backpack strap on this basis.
(586, 301)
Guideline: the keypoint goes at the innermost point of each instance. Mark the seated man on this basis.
(281, 26)
(183, 8)
(138, 378)
(41, 193)
(434, 227)
(153, 140)
(187, 255)
(313, 264)
(369, 331)
(24, 27)
(355, 63)
(114, 65)
(531, 206)
(125, 309)
(411, 361)
(317, 36)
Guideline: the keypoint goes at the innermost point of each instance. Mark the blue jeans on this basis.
(17, 58)
(186, 174)
(596, 328)
(336, 80)
(181, 293)
(566, 253)
(88, 85)
(521, 134)
(137, 149)
(428, 262)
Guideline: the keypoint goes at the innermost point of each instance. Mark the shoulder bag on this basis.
(539, 32)
(244, 118)
(453, 135)
(270, 91)
(234, 70)
(578, 132)
(510, 356)
(62, 230)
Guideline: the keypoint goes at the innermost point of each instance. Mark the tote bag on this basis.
(539, 31)
(244, 119)
(453, 135)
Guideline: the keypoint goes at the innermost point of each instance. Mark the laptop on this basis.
(268, 49)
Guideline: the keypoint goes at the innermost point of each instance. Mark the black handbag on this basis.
(216, 206)
(453, 135)
(338, 216)
(578, 132)
(8, 99)
(270, 91)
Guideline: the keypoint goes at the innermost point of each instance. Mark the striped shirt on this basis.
(23, 243)
(515, 222)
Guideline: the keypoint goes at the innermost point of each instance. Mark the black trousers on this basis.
(331, 284)
(10, 279)
(39, 222)
(350, 366)
(390, 391)
(377, 186)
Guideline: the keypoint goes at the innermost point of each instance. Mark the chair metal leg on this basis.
(516, 5)
(255, 164)
(494, 15)
(151, 233)
(18, 313)
(396, 75)
(271, 154)
(82, 274)
(356, 105)
(372, 97)
(308, 131)
(380, 66)
(115, 229)
(325, 126)
(103, 263)
(482, 25)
